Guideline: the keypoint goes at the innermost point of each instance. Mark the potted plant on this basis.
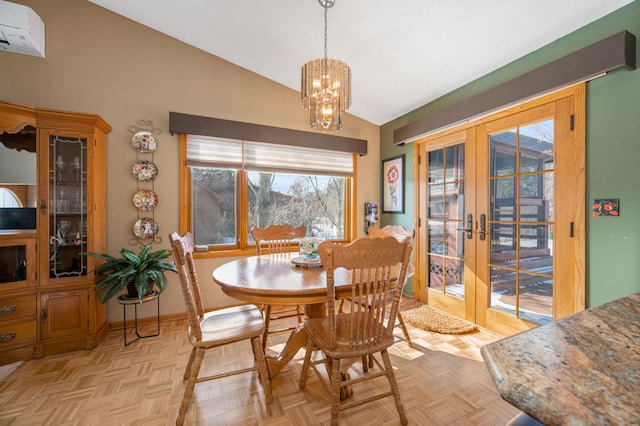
(139, 273)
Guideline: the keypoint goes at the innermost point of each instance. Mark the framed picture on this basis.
(393, 185)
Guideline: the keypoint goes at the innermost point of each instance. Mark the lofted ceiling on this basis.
(403, 54)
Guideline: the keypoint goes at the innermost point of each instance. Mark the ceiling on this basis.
(403, 54)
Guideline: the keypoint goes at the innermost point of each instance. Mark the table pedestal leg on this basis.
(297, 340)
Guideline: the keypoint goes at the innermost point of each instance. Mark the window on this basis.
(8, 198)
(229, 186)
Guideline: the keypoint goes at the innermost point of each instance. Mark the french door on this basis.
(501, 216)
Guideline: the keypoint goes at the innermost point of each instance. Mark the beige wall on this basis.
(99, 62)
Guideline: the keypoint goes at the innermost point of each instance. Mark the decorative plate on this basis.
(144, 142)
(145, 228)
(145, 200)
(145, 171)
(301, 261)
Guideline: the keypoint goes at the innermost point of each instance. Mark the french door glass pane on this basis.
(455, 278)
(503, 244)
(436, 272)
(436, 166)
(455, 239)
(436, 201)
(437, 242)
(535, 303)
(503, 199)
(536, 146)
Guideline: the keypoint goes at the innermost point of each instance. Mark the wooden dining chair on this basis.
(278, 240)
(216, 328)
(377, 265)
(400, 233)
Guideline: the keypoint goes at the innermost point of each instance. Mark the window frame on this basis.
(244, 247)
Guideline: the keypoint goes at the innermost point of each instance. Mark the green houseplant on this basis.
(138, 273)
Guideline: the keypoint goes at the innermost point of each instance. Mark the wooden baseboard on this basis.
(147, 321)
(152, 320)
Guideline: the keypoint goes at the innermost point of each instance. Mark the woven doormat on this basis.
(430, 319)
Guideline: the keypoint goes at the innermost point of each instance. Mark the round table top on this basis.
(276, 280)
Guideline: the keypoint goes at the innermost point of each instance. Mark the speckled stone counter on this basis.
(580, 370)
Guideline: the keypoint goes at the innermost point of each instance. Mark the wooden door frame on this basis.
(567, 300)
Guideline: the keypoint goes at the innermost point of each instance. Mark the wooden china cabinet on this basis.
(47, 301)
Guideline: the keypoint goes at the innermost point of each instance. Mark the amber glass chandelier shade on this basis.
(326, 87)
(326, 92)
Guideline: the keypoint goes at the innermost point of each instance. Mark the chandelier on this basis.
(326, 87)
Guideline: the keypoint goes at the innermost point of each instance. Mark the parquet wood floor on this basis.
(442, 380)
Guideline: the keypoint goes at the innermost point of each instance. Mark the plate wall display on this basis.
(145, 228)
(145, 170)
(145, 200)
(143, 141)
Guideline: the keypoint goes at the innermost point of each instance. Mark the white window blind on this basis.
(204, 151)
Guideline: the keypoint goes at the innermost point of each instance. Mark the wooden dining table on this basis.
(276, 280)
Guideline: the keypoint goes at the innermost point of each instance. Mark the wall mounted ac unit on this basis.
(21, 30)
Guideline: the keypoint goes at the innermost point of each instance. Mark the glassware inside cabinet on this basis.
(13, 263)
(67, 206)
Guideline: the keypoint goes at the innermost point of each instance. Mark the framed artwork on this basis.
(393, 185)
(606, 207)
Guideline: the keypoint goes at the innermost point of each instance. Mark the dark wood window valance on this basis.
(216, 127)
(616, 51)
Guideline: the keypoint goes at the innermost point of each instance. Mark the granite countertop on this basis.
(580, 370)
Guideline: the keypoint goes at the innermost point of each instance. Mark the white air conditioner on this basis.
(21, 30)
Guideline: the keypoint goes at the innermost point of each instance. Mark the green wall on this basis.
(613, 154)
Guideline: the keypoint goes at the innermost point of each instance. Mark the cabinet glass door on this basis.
(67, 206)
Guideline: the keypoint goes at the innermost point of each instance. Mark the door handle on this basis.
(482, 231)
(468, 226)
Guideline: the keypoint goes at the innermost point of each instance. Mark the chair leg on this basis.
(365, 363)
(394, 386)
(404, 330)
(305, 365)
(191, 383)
(187, 371)
(267, 318)
(335, 391)
(263, 371)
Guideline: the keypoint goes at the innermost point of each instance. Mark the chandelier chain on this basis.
(326, 4)
(325, 28)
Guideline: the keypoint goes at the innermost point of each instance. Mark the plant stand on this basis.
(125, 301)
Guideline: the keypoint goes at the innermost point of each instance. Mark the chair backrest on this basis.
(324, 245)
(279, 239)
(182, 248)
(396, 231)
(377, 265)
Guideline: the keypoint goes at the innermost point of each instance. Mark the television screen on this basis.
(18, 218)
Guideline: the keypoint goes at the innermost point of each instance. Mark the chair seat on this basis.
(230, 325)
(318, 330)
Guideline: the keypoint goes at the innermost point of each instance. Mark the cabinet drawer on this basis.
(17, 307)
(17, 333)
